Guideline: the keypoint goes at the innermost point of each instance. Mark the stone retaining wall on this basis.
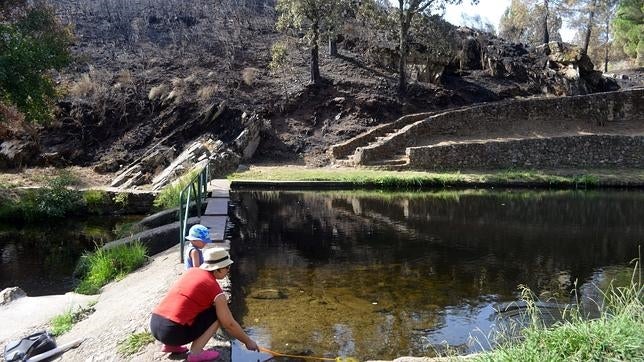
(560, 152)
(602, 113)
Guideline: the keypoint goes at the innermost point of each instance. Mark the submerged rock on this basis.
(268, 294)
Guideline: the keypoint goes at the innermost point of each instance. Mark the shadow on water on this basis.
(377, 275)
(41, 258)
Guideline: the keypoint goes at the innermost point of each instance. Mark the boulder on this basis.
(195, 153)
(470, 54)
(566, 54)
(142, 170)
(8, 295)
(18, 152)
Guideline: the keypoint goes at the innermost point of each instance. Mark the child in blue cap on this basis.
(198, 236)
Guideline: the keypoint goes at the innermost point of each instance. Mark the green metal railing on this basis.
(196, 190)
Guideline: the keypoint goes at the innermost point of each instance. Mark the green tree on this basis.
(313, 16)
(588, 18)
(592, 21)
(32, 42)
(523, 22)
(513, 25)
(628, 28)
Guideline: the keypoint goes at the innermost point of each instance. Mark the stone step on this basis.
(394, 161)
(345, 161)
(217, 225)
(217, 206)
(219, 244)
(218, 193)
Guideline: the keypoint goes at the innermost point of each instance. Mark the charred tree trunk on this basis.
(607, 44)
(546, 35)
(402, 48)
(315, 55)
(589, 27)
(333, 46)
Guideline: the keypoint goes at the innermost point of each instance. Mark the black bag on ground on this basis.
(29, 346)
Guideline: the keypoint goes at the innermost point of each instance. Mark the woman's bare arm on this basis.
(225, 318)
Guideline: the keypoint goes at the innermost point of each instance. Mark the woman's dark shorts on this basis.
(174, 334)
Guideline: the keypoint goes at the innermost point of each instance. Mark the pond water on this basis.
(375, 275)
(41, 257)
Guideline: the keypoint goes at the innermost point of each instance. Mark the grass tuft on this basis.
(134, 343)
(418, 179)
(616, 335)
(63, 323)
(95, 200)
(169, 195)
(104, 265)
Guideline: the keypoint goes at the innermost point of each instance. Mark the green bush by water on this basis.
(617, 335)
(104, 265)
(95, 200)
(55, 200)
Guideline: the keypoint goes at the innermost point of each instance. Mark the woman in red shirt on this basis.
(194, 308)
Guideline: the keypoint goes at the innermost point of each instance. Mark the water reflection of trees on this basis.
(485, 237)
(41, 258)
(415, 254)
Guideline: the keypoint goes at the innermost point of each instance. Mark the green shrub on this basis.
(55, 200)
(104, 265)
(95, 200)
(32, 41)
(9, 207)
(135, 343)
(169, 195)
(121, 199)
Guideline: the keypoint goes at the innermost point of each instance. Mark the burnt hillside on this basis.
(166, 72)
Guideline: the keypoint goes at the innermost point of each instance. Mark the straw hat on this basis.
(215, 258)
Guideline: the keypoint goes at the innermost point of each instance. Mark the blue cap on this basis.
(199, 232)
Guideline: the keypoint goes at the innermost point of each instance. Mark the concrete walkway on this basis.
(216, 215)
(30, 314)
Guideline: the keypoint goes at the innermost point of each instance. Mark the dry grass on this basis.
(125, 77)
(84, 87)
(12, 121)
(206, 93)
(39, 176)
(178, 83)
(249, 75)
(91, 84)
(158, 92)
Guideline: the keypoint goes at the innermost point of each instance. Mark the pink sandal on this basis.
(203, 356)
(173, 349)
